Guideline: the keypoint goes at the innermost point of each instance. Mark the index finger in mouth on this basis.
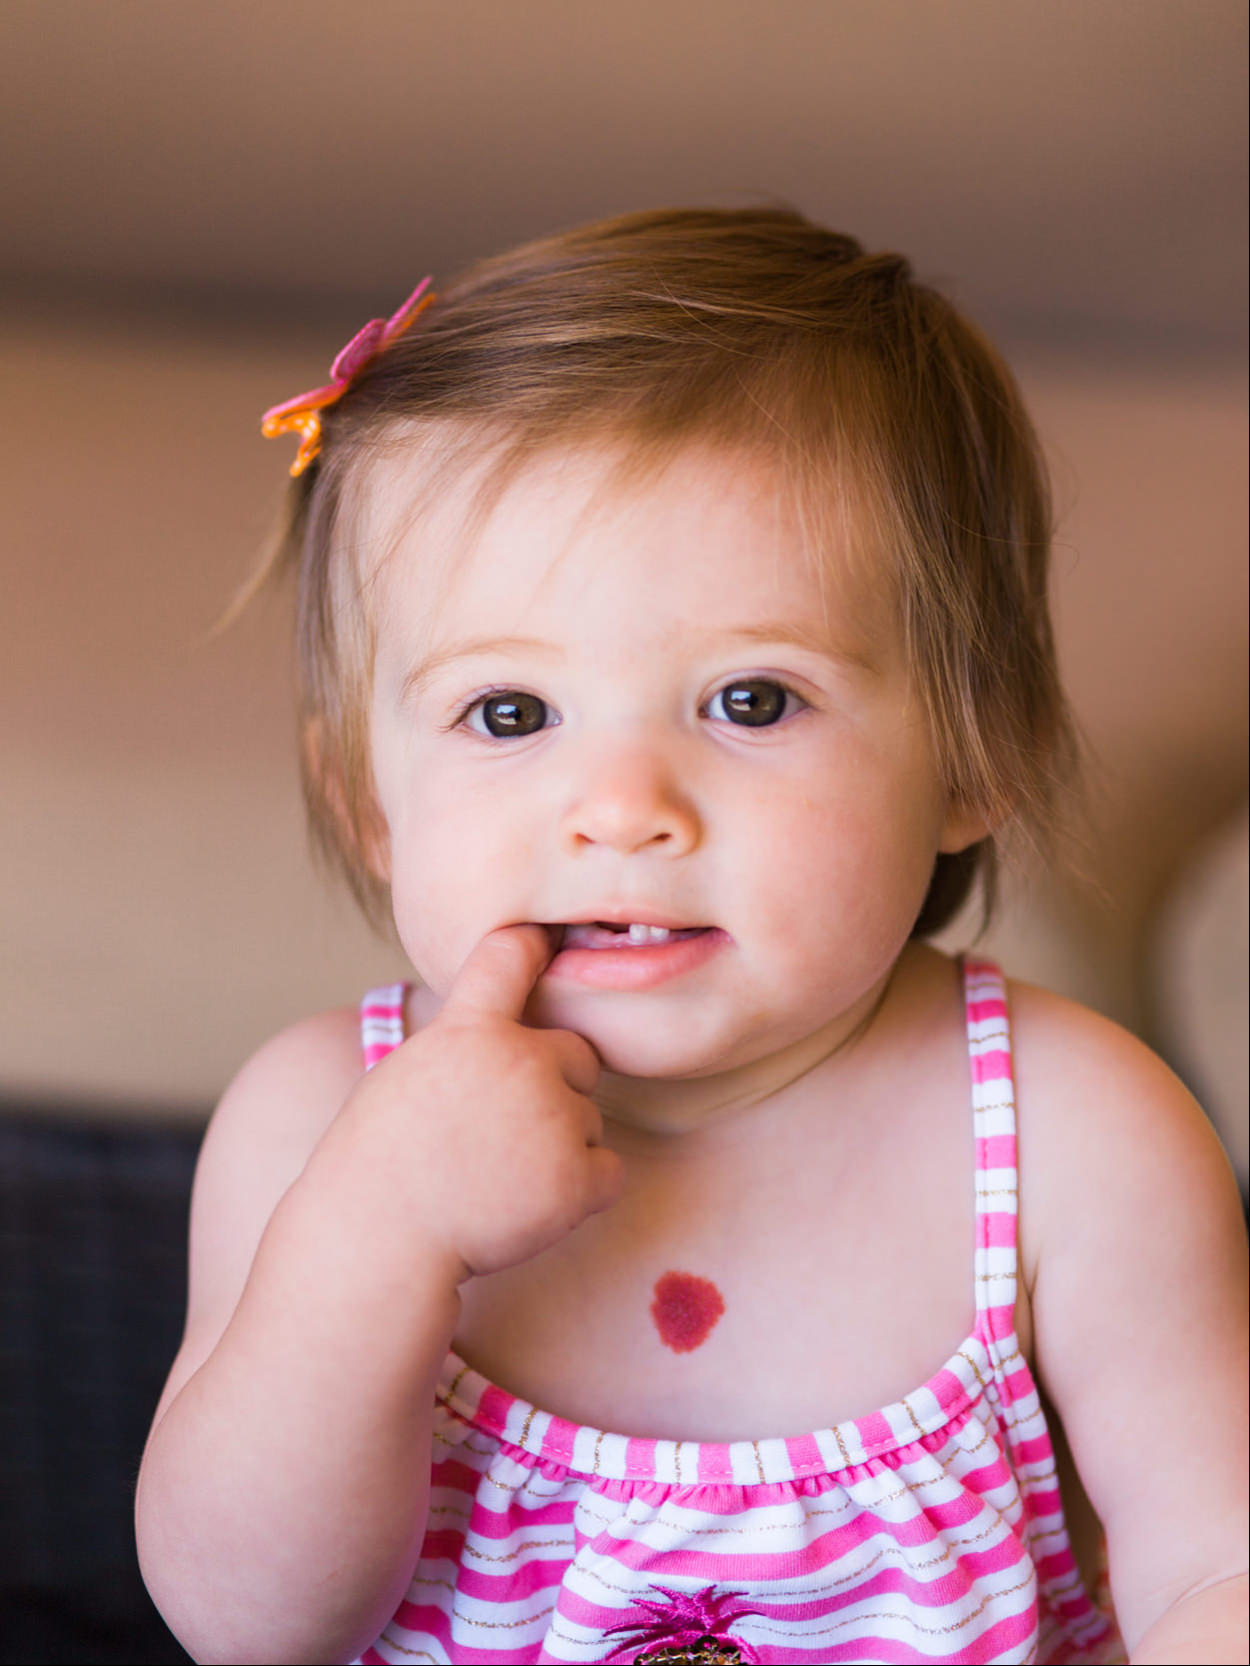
(500, 972)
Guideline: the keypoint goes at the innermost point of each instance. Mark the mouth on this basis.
(611, 934)
(632, 955)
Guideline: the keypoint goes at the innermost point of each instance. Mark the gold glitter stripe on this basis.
(915, 1421)
(846, 1456)
(914, 1490)
(466, 1445)
(608, 1585)
(912, 1623)
(762, 1527)
(984, 1440)
(530, 1544)
(457, 1615)
(412, 1654)
(501, 1625)
(974, 1368)
(455, 1382)
(504, 1486)
(527, 1494)
(553, 1630)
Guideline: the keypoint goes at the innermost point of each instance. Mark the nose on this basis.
(629, 799)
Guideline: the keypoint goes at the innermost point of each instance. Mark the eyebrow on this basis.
(798, 636)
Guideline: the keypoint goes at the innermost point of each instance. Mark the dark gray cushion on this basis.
(93, 1221)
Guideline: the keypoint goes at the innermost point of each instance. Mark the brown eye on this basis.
(753, 703)
(510, 714)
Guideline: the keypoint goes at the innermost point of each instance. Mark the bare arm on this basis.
(1135, 1231)
(283, 1493)
(1206, 1627)
(296, 1419)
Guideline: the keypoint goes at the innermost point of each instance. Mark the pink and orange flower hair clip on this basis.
(302, 415)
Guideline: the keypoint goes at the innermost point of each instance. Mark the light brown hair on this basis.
(754, 329)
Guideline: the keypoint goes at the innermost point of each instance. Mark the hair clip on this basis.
(303, 413)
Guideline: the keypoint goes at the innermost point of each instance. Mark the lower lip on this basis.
(638, 968)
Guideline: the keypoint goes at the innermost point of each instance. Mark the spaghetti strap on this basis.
(994, 1121)
(382, 1022)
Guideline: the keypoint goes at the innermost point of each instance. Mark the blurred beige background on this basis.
(202, 203)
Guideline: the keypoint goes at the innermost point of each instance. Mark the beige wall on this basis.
(159, 913)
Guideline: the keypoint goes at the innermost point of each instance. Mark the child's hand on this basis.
(491, 1137)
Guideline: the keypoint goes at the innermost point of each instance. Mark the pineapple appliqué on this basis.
(687, 1628)
(705, 1651)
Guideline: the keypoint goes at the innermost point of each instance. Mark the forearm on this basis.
(283, 1494)
(1205, 1628)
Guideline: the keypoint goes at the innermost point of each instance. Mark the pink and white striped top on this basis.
(931, 1530)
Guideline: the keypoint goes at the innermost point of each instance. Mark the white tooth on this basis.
(648, 934)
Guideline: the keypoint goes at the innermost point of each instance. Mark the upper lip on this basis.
(629, 915)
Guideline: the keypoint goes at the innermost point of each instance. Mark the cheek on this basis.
(455, 875)
(853, 859)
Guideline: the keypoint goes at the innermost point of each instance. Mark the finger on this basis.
(605, 1179)
(592, 1120)
(577, 1060)
(501, 971)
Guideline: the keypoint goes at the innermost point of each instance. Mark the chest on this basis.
(773, 1294)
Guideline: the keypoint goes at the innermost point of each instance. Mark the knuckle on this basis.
(488, 1037)
(532, 1064)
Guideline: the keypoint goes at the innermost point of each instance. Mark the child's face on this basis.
(628, 786)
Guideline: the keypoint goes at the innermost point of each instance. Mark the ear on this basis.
(965, 824)
(374, 841)
(365, 840)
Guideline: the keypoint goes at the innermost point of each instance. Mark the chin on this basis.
(630, 1045)
(654, 1064)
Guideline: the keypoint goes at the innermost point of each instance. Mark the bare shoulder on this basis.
(1134, 1250)
(282, 1101)
(1102, 1119)
(1084, 1078)
(258, 1140)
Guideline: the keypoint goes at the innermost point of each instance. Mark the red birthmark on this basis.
(685, 1309)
